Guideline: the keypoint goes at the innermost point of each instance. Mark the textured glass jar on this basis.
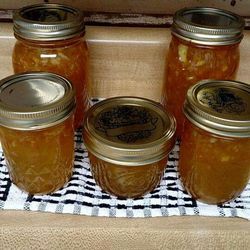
(50, 37)
(214, 160)
(128, 141)
(36, 130)
(204, 45)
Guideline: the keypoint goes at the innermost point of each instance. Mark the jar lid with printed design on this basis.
(220, 107)
(129, 131)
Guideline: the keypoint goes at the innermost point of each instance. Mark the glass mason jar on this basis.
(50, 37)
(204, 45)
(214, 159)
(37, 130)
(128, 141)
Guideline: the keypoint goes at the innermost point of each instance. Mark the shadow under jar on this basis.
(214, 160)
(50, 37)
(128, 141)
(204, 45)
(36, 130)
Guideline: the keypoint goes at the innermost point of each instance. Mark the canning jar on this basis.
(204, 45)
(214, 159)
(128, 141)
(36, 130)
(50, 37)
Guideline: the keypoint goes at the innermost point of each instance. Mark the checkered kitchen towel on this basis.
(82, 196)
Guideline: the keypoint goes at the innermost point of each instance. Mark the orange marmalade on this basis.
(214, 160)
(204, 45)
(57, 46)
(40, 161)
(128, 141)
(123, 182)
(36, 131)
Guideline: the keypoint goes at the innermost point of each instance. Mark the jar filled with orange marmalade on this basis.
(204, 45)
(128, 141)
(50, 37)
(37, 130)
(214, 159)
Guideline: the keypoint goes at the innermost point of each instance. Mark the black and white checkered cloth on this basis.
(82, 196)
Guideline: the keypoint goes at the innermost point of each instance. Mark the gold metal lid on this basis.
(220, 107)
(129, 131)
(48, 22)
(209, 26)
(35, 100)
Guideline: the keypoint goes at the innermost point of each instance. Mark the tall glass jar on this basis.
(50, 37)
(204, 45)
(36, 130)
(214, 160)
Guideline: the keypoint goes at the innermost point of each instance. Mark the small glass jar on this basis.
(128, 141)
(204, 45)
(214, 159)
(50, 37)
(36, 130)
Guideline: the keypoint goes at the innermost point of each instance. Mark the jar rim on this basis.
(35, 100)
(48, 22)
(208, 26)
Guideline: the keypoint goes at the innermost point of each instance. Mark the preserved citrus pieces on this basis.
(68, 58)
(127, 182)
(39, 161)
(214, 169)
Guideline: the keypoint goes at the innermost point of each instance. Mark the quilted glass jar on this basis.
(128, 141)
(36, 130)
(214, 160)
(204, 45)
(50, 37)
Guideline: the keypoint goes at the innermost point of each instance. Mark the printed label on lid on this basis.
(223, 100)
(129, 124)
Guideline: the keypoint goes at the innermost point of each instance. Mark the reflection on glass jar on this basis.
(36, 131)
(204, 45)
(128, 141)
(214, 153)
(53, 43)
